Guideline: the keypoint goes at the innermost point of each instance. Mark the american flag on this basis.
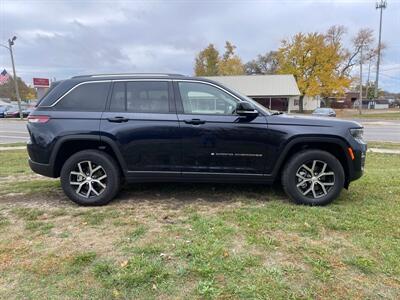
(4, 77)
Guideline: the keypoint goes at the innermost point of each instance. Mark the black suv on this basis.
(96, 131)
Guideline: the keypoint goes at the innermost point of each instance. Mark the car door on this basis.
(141, 121)
(215, 140)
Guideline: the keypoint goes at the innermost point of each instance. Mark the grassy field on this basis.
(12, 144)
(381, 116)
(392, 114)
(174, 241)
(384, 145)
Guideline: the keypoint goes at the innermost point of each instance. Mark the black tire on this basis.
(334, 183)
(111, 182)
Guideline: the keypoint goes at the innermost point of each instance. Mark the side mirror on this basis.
(246, 109)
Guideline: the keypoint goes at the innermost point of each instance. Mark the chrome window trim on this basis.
(141, 79)
(130, 75)
(100, 81)
(74, 87)
(144, 79)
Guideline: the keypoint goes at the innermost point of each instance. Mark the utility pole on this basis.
(10, 44)
(361, 87)
(370, 56)
(379, 5)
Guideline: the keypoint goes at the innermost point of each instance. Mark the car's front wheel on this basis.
(313, 177)
(90, 177)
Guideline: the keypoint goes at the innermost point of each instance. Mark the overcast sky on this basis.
(62, 38)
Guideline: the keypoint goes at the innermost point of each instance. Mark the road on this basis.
(382, 131)
(12, 131)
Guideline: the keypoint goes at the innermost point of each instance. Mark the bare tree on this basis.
(263, 64)
(370, 57)
(362, 41)
(335, 34)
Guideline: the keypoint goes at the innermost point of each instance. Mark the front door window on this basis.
(199, 98)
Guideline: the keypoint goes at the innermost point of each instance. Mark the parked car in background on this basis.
(12, 112)
(26, 111)
(97, 131)
(3, 110)
(324, 112)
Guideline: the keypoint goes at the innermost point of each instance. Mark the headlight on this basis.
(358, 134)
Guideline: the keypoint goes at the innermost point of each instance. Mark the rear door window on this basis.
(89, 96)
(141, 97)
(118, 98)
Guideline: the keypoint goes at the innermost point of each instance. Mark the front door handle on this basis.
(194, 121)
(118, 119)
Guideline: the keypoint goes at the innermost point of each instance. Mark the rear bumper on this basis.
(42, 169)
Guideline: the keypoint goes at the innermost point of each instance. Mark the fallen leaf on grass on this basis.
(124, 264)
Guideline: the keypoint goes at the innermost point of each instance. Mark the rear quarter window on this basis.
(89, 96)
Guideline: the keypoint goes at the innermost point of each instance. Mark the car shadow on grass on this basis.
(168, 194)
(194, 192)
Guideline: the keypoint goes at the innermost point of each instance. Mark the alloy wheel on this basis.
(315, 179)
(88, 179)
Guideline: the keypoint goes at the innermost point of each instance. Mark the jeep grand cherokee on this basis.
(96, 131)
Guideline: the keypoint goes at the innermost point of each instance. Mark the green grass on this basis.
(364, 264)
(176, 241)
(39, 227)
(380, 116)
(29, 187)
(13, 145)
(14, 163)
(84, 259)
(28, 214)
(4, 221)
(384, 145)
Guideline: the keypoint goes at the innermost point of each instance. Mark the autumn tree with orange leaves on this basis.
(208, 62)
(315, 63)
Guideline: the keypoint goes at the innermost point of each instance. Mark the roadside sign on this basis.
(41, 82)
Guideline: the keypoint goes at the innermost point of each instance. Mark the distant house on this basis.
(276, 92)
(375, 104)
(349, 100)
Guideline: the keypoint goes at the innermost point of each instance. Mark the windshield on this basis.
(322, 110)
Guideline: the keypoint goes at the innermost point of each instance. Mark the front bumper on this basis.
(360, 154)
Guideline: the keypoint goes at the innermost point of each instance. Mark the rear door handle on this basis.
(194, 121)
(118, 119)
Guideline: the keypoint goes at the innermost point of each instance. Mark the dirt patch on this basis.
(15, 178)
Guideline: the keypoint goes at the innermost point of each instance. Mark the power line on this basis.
(390, 69)
(391, 77)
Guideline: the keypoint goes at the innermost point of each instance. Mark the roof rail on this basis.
(130, 75)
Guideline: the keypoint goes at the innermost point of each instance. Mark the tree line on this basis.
(7, 90)
(320, 62)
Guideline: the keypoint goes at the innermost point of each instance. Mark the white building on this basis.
(276, 92)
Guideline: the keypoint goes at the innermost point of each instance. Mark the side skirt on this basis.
(154, 176)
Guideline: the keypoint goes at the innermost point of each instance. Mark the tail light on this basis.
(38, 119)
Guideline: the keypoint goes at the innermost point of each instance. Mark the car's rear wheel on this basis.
(90, 177)
(313, 177)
